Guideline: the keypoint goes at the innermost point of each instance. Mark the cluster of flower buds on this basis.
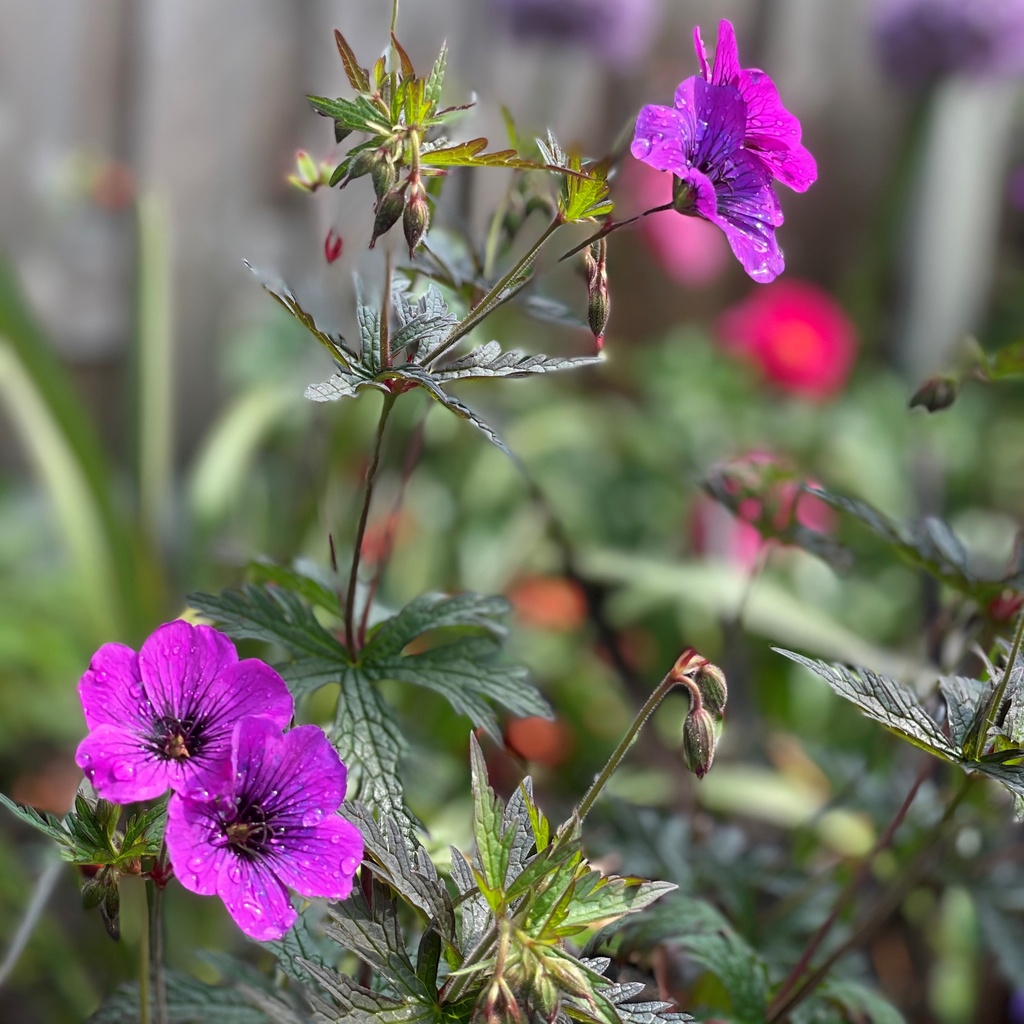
(595, 263)
(309, 175)
(708, 694)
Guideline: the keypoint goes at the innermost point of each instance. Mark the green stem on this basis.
(494, 298)
(480, 952)
(144, 968)
(371, 474)
(890, 899)
(673, 679)
(154, 907)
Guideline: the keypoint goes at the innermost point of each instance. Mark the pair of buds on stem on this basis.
(706, 686)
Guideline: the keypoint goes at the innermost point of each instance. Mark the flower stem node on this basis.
(699, 741)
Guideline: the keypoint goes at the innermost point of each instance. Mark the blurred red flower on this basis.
(550, 602)
(796, 334)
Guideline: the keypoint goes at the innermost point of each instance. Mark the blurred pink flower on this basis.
(689, 250)
(796, 334)
(762, 489)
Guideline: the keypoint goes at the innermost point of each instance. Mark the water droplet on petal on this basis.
(348, 865)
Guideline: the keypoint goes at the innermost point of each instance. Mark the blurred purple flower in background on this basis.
(620, 31)
(725, 138)
(269, 823)
(921, 41)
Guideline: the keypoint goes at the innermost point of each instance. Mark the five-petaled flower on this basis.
(163, 718)
(724, 140)
(266, 825)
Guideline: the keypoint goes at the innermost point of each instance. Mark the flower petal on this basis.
(255, 898)
(774, 132)
(702, 54)
(196, 844)
(297, 778)
(111, 690)
(727, 56)
(658, 138)
(320, 861)
(119, 765)
(748, 212)
(179, 664)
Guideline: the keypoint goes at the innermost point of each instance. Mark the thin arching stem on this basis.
(351, 635)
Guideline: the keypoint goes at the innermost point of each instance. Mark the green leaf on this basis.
(299, 948)
(370, 742)
(884, 700)
(356, 1004)
(298, 579)
(492, 853)
(401, 861)
(490, 360)
(423, 323)
(599, 898)
(620, 1002)
(273, 614)
(435, 80)
(859, 1002)
(929, 545)
(357, 115)
(189, 1001)
(375, 936)
(334, 343)
(357, 76)
(584, 192)
(424, 379)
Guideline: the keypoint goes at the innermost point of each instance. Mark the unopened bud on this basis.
(416, 217)
(308, 175)
(362, 163)
(598, 299)
(714, 693)
(383, 175)
(936, 393)
(389, 209)
(699, 741)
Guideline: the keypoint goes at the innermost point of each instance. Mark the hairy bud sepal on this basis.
(699, 738)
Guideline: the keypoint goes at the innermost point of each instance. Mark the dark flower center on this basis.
(178, 739)
(251, 832)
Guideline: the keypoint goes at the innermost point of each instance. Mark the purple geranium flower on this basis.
(724, 140)
(163, 718)
(267, 825)
(923, 40)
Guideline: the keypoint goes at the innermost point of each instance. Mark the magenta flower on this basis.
(163, 718)
(266, 825)
(724, 139)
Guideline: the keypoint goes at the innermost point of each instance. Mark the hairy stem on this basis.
(674, 678)
(351, 635)
(154, 908)
(886, 904)
(848, 892)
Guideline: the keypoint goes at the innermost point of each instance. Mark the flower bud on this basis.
(416, 217)
(389, 209)
(936, 393)
(714, 693)
(598, 299)
(383, 174)
(362, 163)
(699, 741)
(308, 175)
